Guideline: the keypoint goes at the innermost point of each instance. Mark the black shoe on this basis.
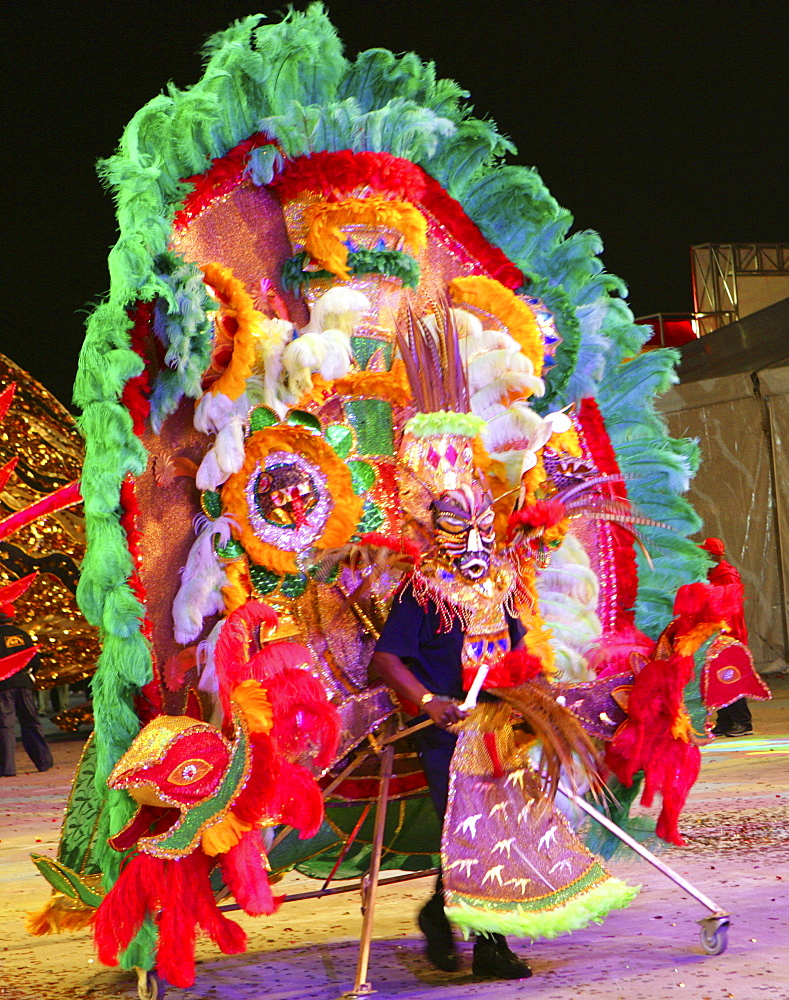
(719, 729)
(738, 729)
(439, 942)
(494, 960)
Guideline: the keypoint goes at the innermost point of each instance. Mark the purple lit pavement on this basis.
(736, 824)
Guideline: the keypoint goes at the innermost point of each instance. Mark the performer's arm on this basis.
(393, 672)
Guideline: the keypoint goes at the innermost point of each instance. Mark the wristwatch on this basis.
(426, 698)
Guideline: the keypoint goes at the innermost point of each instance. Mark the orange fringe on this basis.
(392, 385)
(325, 219)
(236, 303)
(345, 513)
(59, 913)
(491, 296)
(567, 442)
(687, 644)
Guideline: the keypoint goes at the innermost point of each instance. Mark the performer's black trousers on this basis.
(738, 713)
(21, 703)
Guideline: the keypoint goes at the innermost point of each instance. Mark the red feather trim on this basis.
(137, 391)
(177, 895)
(244, 872)
(335, 174)
(225, 173)
(541, 513)
(300, 800)
(403, 546)
(598, 443)
(514, 668)
(451, 215)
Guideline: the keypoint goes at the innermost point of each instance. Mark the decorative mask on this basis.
(463, 524)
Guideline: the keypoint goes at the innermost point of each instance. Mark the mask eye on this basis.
(189, 772)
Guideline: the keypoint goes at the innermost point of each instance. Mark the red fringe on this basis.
(625, 566)
(244, 872)
(514, 668)
(450, 213)
(547, 513)
(300, 800)
(335, 174)
(136, 392)
(403, 546)
(645, 742)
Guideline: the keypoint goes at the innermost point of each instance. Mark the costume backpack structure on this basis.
(332, 301)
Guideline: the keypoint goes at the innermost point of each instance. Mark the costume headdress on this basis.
(245, 408)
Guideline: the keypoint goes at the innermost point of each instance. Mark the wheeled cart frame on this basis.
(714, 928)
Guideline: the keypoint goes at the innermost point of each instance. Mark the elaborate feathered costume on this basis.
(262, 448)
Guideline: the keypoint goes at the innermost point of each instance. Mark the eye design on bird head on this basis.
(188, 772)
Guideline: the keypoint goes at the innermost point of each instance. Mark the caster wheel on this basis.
(714, 940)
(149, 986)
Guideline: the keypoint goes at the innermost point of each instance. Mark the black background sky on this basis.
(659, 123)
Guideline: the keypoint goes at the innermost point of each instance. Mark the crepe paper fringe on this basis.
(387, 263)
(590, 907)
(443, 422)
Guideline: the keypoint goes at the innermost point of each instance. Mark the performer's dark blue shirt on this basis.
(413, 633)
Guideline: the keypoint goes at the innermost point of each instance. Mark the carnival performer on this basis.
(422, 664)
(734, 719)
(17, 700)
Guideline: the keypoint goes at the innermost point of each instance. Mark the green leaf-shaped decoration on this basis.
(233, 550)
(362, 476)
(372, 518)
(294, 584)
(263, 580)
(303, 419)
(262, 417)
(340, 438)
(211, 502)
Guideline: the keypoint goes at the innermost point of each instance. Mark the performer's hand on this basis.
(443, 712)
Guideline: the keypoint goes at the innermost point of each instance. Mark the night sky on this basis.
(658, 124)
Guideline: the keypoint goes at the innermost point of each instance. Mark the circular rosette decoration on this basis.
(293, 493)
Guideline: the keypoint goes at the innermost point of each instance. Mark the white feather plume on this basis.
(338, 309)
(215, 410)
(210, 474)
(489, 340)
(202, 579)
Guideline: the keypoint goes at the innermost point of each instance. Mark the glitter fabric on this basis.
(506, 849)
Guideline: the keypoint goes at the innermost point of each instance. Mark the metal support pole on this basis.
(642, 851)
(361, 988)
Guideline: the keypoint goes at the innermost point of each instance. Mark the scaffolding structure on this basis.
(722, 271)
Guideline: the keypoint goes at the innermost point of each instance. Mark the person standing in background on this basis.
(735, 719)
(17, 701)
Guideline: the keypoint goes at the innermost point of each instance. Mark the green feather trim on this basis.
(591, 906)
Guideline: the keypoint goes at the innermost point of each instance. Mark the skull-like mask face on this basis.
(463, 523)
